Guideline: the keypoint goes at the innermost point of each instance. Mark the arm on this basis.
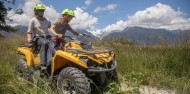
(49, 24)
(52, 30)
(29, 37)
(30, 31)
(74, 32)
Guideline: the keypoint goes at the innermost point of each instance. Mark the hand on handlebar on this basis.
(80, 35)
(29, 40)
(86, 35)
(59, 35)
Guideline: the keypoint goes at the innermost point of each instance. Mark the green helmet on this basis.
(68, 12)
(39, 7)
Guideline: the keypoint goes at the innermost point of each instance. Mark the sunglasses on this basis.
(41, 10)
(69, 17)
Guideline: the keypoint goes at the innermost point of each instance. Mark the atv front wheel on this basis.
(73, 81)
(114, 76)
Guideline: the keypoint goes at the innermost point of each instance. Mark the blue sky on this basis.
(122, 11)
(99, 16)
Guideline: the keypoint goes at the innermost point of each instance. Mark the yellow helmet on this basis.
(39, 7)
(68, 12)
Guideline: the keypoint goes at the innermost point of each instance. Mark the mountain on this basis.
(3, 33)
(82, 32)
(103, 34)
(21, 30)
(140, 35)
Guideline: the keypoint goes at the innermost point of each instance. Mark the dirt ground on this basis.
(148, 90)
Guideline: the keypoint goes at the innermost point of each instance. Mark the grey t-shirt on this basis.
(38, 27)
(61, 28)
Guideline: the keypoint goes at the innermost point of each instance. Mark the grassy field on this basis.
(159, 66)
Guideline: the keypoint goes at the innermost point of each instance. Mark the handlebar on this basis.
(72, 38)
(86, 35)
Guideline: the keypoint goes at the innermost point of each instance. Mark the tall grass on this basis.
(10, 83)
(161, 66)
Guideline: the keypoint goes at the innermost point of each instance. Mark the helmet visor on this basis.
(41, 10)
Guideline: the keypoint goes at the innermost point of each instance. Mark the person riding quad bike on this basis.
(39, 34)
(61, 25)
(74, 66)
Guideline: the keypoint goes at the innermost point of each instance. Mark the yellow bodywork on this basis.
(63, 57)
(29, 55)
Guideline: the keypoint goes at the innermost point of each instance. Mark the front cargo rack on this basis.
(95, 50)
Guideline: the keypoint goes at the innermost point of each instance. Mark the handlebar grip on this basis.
(67, 37)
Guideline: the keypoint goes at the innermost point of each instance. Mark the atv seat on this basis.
(26, 45)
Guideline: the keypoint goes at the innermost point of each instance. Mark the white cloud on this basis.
(157, 16)
(88, 2)
(28, 6)
(96, 32)
(108, 7)
(83, 20)
(51, 13)
(120, 25)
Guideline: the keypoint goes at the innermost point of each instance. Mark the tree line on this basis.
(4, 15)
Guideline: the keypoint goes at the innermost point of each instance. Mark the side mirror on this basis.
(86, 35)
(73, 38)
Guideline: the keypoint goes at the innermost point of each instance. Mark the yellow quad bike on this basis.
(74, 65)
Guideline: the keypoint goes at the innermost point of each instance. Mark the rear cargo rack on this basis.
(26, 45)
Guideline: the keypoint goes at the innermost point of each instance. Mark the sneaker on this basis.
(40, 67)
(43, 67)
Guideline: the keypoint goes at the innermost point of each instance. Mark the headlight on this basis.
(84, 59)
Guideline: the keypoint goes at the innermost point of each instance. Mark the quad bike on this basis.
(75, 64)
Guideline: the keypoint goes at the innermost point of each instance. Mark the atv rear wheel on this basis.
(73, 81)
(23, 70)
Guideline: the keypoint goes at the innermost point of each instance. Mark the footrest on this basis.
(26, 45)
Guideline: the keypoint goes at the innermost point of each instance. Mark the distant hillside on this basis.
(82, 32)
(149, 36)
(137, 35)
(3, 33)
(21, 30)
(103, 34)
